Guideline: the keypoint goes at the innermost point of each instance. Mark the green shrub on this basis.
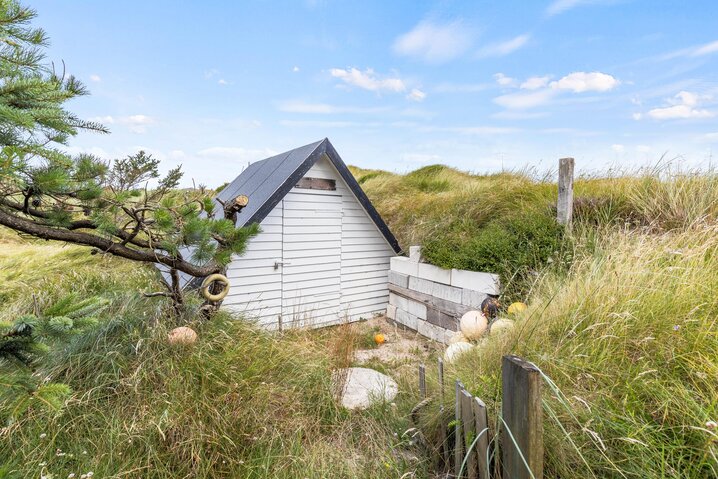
(515, 247)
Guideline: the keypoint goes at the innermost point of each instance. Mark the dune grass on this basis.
(504, 222)
(622, 321)
(241, 402)
(630, 339)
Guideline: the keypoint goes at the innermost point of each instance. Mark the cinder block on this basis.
(399, 301)
(415, 253)
(447, 292)
(447, 336)
(421, 285)
(472, 298)
(434, 273)
(417, 309)
(403, 265)
(441, 319)
(399, 279)
(432, 332)
(481, 282)
(391, 311)
(407, 319)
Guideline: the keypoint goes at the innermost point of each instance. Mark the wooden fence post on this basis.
(481, 420)
(522, 413)
(469, 424)
(458, 431)
(422, 381)
(564, 207)
(443, 444)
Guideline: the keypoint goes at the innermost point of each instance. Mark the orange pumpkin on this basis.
(379, 338)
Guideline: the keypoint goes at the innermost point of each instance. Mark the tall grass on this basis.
(241, 402)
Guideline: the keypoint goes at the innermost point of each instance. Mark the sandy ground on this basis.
(401, 344)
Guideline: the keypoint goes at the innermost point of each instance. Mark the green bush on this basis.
(515, 247)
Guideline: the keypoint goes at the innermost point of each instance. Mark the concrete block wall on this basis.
(431, 300)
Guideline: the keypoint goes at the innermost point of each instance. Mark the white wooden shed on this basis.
(323, 254)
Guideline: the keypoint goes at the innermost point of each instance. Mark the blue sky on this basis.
(395, 85)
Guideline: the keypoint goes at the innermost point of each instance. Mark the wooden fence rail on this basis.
(476, 445)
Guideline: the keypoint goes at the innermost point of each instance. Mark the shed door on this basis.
(311, 257)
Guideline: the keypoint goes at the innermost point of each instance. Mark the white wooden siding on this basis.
(255, 285)
(365, 254)
(339, 260)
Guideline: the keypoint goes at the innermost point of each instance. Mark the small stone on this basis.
(363, 387)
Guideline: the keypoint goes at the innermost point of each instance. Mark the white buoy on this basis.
(473, 324)
(458, 337)
(500, 326)
(455, 350)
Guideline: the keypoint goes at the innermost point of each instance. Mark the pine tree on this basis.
(23, 345)
(107, 206)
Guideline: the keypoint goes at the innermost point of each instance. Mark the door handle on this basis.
(277, 264)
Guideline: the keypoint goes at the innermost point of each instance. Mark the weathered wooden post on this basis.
(481, 419)
(458, 431)
(422, 381)
(469, 424)
(522, 414)
(564, 207)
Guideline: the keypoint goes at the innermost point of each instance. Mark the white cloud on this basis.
(711, 137)
(503, 80)
(95, 78)
(579, 82)
(522, 100)
(618, 148)
(176, 155)
(105, 120)
(683, 105)
(534, 83)
(299, 106)
(637, 116)
(135, 123)
(694, 51)
(211, 73)
(706, 49)
(539, 91)
(222, 81)
(433, 42)
(235, 153)
(295, 69)
(560, 6)
(368, 80)
(448, 87)
(416, 95)
(501, 49)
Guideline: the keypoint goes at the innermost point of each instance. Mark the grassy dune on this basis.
(622, 321)
(623, 316)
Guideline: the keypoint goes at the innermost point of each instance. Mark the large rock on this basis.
(363, 387)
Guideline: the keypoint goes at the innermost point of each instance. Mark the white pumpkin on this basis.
(458, 337)
(182, 335)
(455, 350)
(500, 326)
(473, 324)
